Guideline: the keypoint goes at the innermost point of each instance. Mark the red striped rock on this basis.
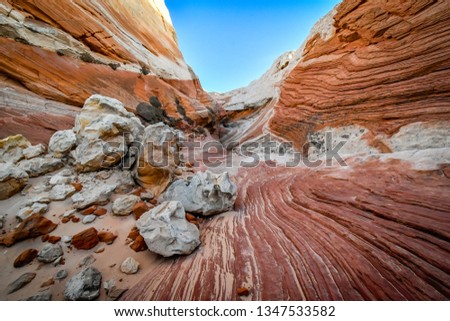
(85, 240)
(380, 66)
(385, 67)
(35, 117)
(373, 231)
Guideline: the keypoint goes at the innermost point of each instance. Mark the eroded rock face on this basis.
(363, 45)
(12, 147)
(105, 131)
(373, 72)
(34, 151)
(166, 230)
(247, 109)
(33, 116)
(204, 193)
(158, 158)
(85, 286)
(94, 48)
(40, 165)
(12, 180)
(320, 87)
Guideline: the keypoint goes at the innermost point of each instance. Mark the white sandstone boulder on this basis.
(204, 193)
(166, 230)
(124, 205)
(105, 131)
(62, 142)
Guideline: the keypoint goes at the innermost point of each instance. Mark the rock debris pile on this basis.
(104, 165)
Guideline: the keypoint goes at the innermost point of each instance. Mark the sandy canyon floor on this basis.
(375, 229)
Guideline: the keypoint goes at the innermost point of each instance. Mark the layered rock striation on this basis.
(377, 230)
(379, 66)
(373, 226)
(56, 54)
(373, 74)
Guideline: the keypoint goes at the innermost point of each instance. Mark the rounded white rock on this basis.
(166, 230)
(129, 266)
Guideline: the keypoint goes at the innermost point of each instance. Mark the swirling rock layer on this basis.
(386, 66)
(374, 230)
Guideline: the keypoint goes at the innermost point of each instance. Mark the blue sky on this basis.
(229, 43)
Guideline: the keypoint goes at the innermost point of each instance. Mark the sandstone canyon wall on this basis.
(55, 54)
(376, 75)
(377, 71)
